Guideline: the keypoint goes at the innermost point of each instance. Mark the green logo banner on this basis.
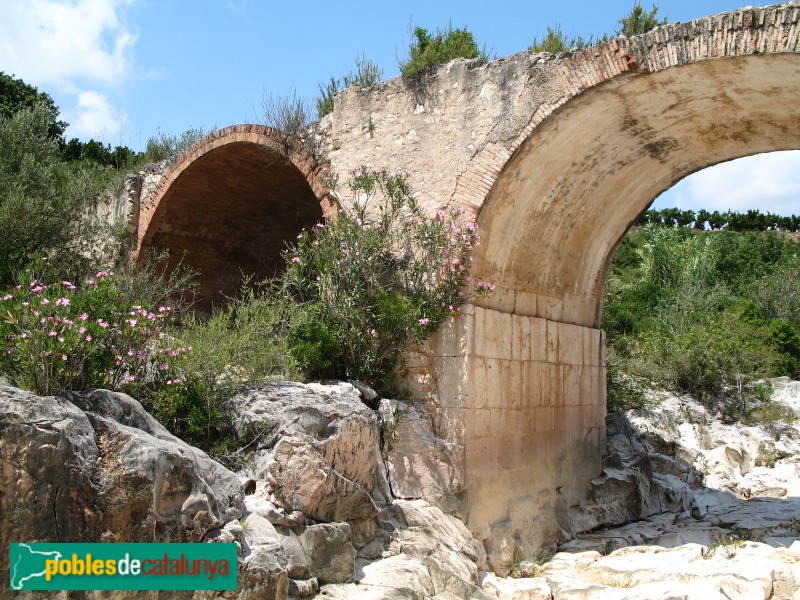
(122, 566)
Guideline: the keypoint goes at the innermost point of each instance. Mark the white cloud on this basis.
(75, 48)
(96, 118)
(65, 42)
(767, 182)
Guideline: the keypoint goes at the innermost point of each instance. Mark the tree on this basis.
(639, 21)
(685, 218)
(717, 220)
(701, 218)
(42, 199)
(16, 95)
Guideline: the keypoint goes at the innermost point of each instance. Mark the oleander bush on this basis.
(380, 277)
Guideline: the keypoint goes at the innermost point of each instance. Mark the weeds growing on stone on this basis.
(529, 565)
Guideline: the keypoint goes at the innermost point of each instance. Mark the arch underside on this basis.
(570, 193)
(229, 214)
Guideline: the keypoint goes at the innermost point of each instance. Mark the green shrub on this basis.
(44, 202)
(557, 41)
(325, 97)
(366, 74)
(162, 145)
(240, 346)
(380, 277)
(288, 114)
(640, 21)
(428, 50)
(703, 313)
(624, 392)
(777, 294)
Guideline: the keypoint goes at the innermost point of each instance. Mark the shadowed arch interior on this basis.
(564, 201)
(230, 213)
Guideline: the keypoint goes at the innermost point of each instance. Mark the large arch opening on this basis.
(534, 418)
(228, 208)
(576, 185)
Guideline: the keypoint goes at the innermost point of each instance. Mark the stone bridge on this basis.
(556, 155)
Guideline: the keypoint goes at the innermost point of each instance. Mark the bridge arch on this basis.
(635, 117)
(228, 205)
(584, 175)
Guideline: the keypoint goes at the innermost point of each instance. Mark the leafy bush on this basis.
(428, 50)
(44, 203)
(557, 41)
(287, 114)
(624, 392)
(161, 145)
(703, 313)
(640, 21)
(290, 116)
(241, 346)
(380, 277)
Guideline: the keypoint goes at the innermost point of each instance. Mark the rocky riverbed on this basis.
(342, 500)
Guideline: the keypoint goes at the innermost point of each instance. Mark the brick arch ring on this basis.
(229, 205)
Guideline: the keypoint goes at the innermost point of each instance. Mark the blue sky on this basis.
(120, 70)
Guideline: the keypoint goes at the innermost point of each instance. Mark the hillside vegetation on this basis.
(703, 312)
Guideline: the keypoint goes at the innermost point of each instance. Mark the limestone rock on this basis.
(420, 464)
(691, 571)
(302, 480)
(260, 505)
(262, 578)
(73, 470)
(331, 555)
(329, 418)
(302, 588)
(508, 588)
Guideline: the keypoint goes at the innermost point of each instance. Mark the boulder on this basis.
(97, 467)
(328, 418)
(331, 555)
(420, 465)
(425, 554)
(301, 480)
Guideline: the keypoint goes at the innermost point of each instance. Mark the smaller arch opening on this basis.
(229, 214)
